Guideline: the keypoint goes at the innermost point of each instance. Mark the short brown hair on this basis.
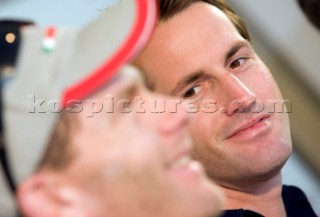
(60, 151)
(169, 8)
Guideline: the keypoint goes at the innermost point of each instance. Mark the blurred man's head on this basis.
(120, 162)
(200, 55)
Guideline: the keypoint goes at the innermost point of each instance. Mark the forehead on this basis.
(198, 16)
(200, 24)
(200, 30)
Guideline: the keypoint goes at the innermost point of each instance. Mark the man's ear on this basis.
(48, 195)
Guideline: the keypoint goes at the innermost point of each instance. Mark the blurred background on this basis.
(283, 38)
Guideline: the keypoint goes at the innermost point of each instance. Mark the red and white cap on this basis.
(61, 64)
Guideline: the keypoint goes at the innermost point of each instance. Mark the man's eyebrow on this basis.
(187, 80)
(200, 73)
(235, 48)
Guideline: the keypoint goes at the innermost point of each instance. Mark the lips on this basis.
(182, 164)
(251, 128)
(183, 156)
(185, 168)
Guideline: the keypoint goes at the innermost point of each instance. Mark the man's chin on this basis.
(210, 199)
(200, 195)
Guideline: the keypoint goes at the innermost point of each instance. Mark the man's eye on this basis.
(192, 92)
(237, 63)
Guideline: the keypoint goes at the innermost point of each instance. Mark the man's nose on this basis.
(239, 97)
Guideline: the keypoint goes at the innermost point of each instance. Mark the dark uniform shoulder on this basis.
(296, 202)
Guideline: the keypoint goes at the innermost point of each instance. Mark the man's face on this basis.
(135, 162)
(199, 55)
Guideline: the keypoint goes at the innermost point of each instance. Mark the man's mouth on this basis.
(182, 157)
(251, 128)
(185, 168)
(182, 164)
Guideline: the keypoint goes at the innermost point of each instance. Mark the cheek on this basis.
(208, 125)
(283, 130)
(200, 128)
(261, 82)
(205, 130)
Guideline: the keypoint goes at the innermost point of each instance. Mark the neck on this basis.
(263, 197)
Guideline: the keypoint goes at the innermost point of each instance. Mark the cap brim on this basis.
(81, 62)
(125, 38)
